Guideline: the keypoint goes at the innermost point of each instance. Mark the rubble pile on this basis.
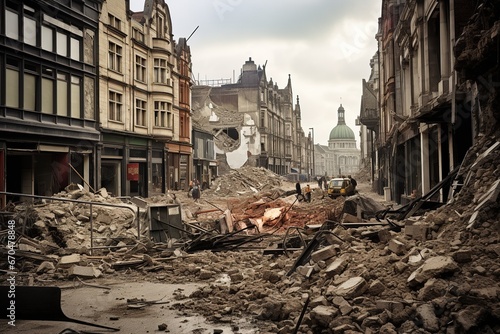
(286, 212)
(59, 226)
(440, 274)
(437, 274)
(245, 181)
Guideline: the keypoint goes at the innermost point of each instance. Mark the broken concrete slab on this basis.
(323, 314)
(397, 247)
(324, 254)
(81, 271)
(490, 197)
(353, 287)
(432, 267)
(336, 267)
(69, 260)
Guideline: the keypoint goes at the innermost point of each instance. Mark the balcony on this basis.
(161, 43)
(370, 118)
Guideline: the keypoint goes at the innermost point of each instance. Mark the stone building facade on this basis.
(423, 125)
(144, 101)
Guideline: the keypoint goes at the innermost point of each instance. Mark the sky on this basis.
(324, 45)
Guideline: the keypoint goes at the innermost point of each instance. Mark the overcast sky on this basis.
(325, 45)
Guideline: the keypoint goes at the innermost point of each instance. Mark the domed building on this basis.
(340, 157)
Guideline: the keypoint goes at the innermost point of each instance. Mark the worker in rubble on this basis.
(307, 192)
(300, 197)
(190, 188)
(196, 191)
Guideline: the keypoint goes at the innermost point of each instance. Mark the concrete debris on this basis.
(433, 276)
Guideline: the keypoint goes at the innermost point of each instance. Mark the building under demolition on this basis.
(254, 123)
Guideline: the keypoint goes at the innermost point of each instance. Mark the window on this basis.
(140, 68)
(182, 125)
(170, 120)
(76, 96)
(62, 94)
(11, 24)
(160, 114)
(47, 90)
(30, 78)
(47, 38)
(115, 106)
(140, 113)
(75, 49)
(115, 57)
(138, 35)
(12, 86)
(29, 31)
(114, 21)
(62, 44)
(160, 26)
(160, 70)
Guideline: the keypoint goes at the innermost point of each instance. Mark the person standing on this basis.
(298, 189)
(196, 191)
(190, 188)
(307, 192)
(353, 182)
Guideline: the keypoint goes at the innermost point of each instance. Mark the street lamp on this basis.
(313, 167)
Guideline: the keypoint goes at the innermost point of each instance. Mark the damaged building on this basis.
(421, 113)
(254, 122)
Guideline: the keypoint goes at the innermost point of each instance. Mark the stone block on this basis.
(324, 314)
(389, 305)
(397, 247)
(427, 315)
(417, 231)
(337, 267)
(305, 271)
(324, 253)
(353, 287)
(376, 288)
(70, 259)
(432, 267)
(81, 271)
(462, 256)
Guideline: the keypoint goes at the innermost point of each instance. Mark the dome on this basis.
(342, 131)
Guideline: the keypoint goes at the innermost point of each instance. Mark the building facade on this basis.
(145, 101)
(49, 96)
(255, 123)
(92, 93)
(424, 126)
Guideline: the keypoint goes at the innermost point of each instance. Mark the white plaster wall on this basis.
(249, 142)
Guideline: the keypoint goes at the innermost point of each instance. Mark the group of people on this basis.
(322, 182)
